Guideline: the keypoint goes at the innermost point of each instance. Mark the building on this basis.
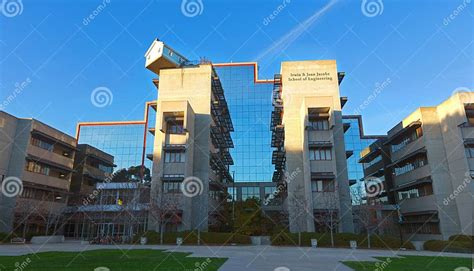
(192, 139)
(113, 209)
(425, 165)
(91, 166)
(209, 101)
(36, 166)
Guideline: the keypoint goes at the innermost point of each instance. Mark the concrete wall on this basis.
(186, 90)
(311, 84)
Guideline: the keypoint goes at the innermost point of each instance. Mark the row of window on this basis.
(318, 124)
(470, 151)
(417, 192)
(417, 133)
(175, 127)
(37, 168)
(43, 195)
(175, 157)
(320, 154)
(417, 163)
(377, 159)
(42, 144)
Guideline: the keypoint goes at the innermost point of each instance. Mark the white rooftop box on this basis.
(159, 56)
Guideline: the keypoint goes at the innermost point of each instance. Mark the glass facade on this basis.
(125, 142)
(355, 141)
(250, 107)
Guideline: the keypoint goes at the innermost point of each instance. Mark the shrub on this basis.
(449, 246)
(191, 238)
(4, 237)
(462, 238)
(340, 240)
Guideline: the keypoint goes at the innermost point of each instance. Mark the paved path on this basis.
(254, 258)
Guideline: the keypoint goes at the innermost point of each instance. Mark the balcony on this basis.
(176, 139)
(40, 179)
(50, 156)
(408, 149)
(320, 135)
(378, 166)
(323, 166)
(416, 174)
(427, 203)
(94, 173)
(467, 131)
(174, 168)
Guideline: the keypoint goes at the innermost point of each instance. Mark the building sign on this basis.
(310, 76)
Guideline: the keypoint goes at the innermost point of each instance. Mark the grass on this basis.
(139, 260)
(411, 263)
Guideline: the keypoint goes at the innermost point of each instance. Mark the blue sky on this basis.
(412, 45)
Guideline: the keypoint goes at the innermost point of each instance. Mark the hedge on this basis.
(4, 237)
(462, 238)
(340, 240)
(191, 238)
(450, 246)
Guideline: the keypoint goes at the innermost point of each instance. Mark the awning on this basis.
(410, 126)
(174, 147)
(320, 144)
(369, 156)
(323, 175)
(412, 183)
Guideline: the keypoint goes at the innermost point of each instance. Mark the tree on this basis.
(132, 174)
(327, 218)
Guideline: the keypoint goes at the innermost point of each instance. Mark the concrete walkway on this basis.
(246, 257)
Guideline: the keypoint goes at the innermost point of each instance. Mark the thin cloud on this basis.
(296, 32)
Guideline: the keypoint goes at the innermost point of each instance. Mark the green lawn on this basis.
(412, 263)
(139, 260)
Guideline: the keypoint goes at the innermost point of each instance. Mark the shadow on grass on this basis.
(139, 260)
(407, 263)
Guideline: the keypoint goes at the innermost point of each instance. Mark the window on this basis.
(106, 169)
(174, 157)
(41, 144)
(250, 192)
(417, 133)
(415, 192)
(410, 166)
(175, 127)
(171, 187)
(37, 168)
(322, 186)
(320, 154)
(319, 124)
(470, 151)
(378, 158)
